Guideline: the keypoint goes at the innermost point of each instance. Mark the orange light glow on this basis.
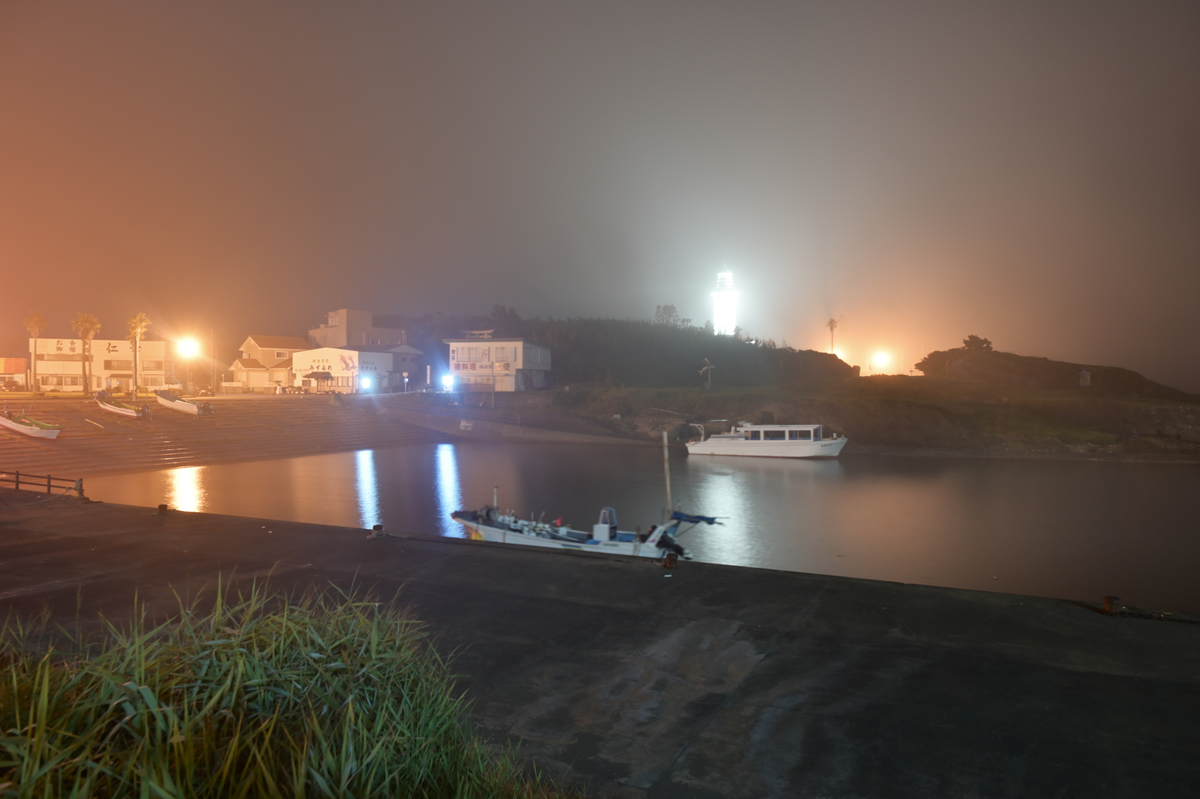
(880, 360)
(187, 348)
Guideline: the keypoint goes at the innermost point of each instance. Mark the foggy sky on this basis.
(1028, 172)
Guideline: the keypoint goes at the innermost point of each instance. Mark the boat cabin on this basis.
(779, 432)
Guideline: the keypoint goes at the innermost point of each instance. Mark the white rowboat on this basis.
(175, 403)
(29, 427)
(490, 524)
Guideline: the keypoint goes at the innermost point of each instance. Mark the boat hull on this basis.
(132, 413)
(50, 433)
(738, 447)
(527, 535)
(177, 404)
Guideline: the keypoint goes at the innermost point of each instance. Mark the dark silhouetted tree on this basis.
(86, 326)
(137, 326)
(976, 344)
(35, 323)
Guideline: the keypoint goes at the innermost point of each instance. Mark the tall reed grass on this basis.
(260, 696)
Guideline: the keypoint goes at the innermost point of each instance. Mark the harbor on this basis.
(704, 680)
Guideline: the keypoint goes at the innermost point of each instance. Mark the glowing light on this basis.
(187, 348)
(880, 360)
(365, 382)
(449, 492)
(724, 305)
(368, 488)
(448, 382)
(184, 491)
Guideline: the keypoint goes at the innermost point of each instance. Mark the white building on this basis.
(60, 363)
(479, 363)
(265, 363)
(343, 371)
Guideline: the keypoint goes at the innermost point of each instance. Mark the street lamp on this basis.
(188, 348)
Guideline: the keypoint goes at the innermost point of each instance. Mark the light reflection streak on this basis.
(367, 487)
(448, 491)
(184, 491)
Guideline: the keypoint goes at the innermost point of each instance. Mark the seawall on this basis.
(702, 681)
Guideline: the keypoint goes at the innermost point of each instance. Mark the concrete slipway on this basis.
(711, 682)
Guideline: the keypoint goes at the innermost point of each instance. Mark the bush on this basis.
(261, 697)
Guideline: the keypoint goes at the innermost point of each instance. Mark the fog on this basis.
(1028, 172)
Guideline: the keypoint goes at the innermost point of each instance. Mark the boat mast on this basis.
(667, 473)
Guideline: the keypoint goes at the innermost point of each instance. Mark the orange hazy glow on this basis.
(187, 347)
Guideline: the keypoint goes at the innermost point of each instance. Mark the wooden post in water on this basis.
(667, 474)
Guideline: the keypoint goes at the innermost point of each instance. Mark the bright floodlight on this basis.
(880, 360)
(187, 348)
(448, 382)
(365, 382)
(724, 305)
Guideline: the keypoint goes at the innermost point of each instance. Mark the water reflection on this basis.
(185, 490)
(1078, 530)
(368, 489)
(448, 492)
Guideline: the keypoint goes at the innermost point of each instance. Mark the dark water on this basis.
(1061, 529)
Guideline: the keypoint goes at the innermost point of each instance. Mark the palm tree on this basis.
(832, 325)
(137, 325)
(35, 323)
(86, 327)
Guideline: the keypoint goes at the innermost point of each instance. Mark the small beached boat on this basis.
(175, 403)
(770, 441)
(20, 423)
(123, 408)
(491, 524)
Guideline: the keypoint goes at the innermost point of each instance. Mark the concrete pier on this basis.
(702, 681)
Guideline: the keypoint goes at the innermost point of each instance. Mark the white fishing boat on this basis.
(176, 403)
(20, 423)
(123, 408)
(491, 524)
(770, 441)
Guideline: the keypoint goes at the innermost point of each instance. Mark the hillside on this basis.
(637, 354)
(976, 361)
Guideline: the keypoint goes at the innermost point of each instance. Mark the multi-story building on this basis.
(481, 363)
(12, 372)
(60, 364)
(265, 363)
(343, 371)
(347, 328)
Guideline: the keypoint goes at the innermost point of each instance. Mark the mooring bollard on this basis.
(162, 510)
(1112, 605)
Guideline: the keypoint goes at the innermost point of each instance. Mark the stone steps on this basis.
(241, 429)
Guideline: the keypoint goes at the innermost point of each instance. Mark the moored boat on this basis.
(176, 403)
(20, 423)
(770, 441)
(491, 524)
(123, 408)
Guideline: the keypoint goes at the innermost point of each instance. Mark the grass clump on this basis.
(261, 696)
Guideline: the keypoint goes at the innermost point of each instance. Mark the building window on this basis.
(152, 366)
(117, 366)
(280, 354)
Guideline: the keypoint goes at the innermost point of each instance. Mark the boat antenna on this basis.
(667, 472)
(495, 495)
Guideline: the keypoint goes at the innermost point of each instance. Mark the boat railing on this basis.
(36, 482)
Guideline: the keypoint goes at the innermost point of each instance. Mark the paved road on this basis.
(706, 681)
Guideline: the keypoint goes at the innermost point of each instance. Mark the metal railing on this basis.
(38, 483)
